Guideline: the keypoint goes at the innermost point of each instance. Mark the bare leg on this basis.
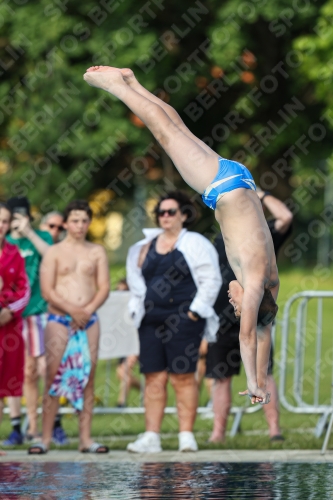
(221, 408)
(127, 379)
(31, 376)
(201, 363)
(194, 163)
(56, 338)
(170, 111)
(14, 403)
(85, 417)
(272, 409)
(209, 382)
(263, 338)
(263, 352)
(201, 370)
(155, 399)
(124, 377)
(186, 389)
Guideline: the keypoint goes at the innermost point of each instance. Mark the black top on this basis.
(278, 238)
(168, 279)
(222, 307)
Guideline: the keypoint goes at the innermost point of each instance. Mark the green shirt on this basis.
(32, 258)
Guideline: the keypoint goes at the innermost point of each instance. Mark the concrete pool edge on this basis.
(230, 456)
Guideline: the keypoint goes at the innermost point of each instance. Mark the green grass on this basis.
(117, 273)
(118, 430)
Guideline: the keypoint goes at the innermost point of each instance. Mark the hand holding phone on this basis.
(21, 221)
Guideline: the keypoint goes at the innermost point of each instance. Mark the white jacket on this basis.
(203, 262)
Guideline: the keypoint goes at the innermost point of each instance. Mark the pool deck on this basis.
(290, 456)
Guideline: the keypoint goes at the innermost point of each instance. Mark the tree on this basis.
(233, 70)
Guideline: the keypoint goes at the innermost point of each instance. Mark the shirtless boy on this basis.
(75, 283)
(227, 187)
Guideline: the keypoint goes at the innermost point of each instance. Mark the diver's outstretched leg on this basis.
(130, 79)
(196, 165)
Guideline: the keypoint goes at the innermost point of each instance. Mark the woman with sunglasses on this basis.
(52, 222)
(174, 279)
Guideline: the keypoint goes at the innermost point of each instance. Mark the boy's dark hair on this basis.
(268, 309)
(19, 204)
(77, 205)
(186, 206)
(5, 205)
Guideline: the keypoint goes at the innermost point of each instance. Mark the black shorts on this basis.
(223, 357)
(171, 346)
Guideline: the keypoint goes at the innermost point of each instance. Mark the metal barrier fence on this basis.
(306, 366)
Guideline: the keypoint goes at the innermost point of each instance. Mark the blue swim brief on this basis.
(66, 320)
(231, 175)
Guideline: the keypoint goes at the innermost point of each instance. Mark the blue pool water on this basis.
(209, 481)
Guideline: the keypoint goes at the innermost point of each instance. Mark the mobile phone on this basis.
(20, 210)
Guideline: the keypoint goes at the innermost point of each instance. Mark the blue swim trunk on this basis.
(66, 320)
(231, 175)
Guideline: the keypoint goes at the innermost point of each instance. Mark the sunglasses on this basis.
(52, 226)
(171, 212)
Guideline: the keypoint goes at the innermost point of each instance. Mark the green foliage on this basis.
(318, 62)
(233, 70)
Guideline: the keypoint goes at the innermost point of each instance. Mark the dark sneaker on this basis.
(59, 436)
(13, 439)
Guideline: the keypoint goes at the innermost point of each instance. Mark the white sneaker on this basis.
(148, 442)
(187, 441)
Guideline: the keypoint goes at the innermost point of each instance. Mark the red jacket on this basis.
(14, 294)
(14, 284)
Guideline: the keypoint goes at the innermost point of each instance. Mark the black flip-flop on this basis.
(96, 448)
(277, 437)
(39, 447)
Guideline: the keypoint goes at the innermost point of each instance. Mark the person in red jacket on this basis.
(14, 296)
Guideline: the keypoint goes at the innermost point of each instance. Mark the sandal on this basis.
(96, 448)
(37, 449)
(277, 437)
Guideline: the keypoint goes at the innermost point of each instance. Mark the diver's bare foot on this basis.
(102, 68)
(106, 78)
(129, 77)
(127, 73)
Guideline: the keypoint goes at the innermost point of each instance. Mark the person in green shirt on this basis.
(33, 245)
(53, 223)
